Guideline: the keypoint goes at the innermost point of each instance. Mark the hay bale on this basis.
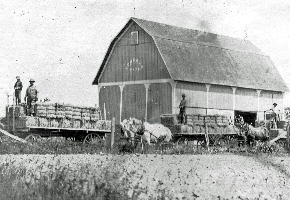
(168, 119)
(43, 122)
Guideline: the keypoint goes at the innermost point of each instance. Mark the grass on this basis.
(63, 146)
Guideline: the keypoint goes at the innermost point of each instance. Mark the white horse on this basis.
(149, 132)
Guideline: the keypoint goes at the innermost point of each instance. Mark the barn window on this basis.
(134, 37)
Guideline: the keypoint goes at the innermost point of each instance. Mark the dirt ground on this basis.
(177, 176)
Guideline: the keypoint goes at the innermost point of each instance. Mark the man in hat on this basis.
(182, 111)
(276, 115)
(18, 88)
(31, 96)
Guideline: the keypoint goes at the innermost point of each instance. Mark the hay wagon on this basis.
(57, 120)
(203, 129)
(278, 133)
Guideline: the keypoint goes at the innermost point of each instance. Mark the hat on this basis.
(18, 77)
(274, 104)
(183, 95)
(31, 80)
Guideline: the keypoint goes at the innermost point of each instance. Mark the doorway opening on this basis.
(249, 117)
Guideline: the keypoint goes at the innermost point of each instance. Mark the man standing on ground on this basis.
(182, 111)
(31, 96)
(18, 88)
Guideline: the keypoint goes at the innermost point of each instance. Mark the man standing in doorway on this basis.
(18, 88)
(182, 111)
(31, 96)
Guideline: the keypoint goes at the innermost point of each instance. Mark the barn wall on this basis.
(195, 96)
(110, 102)
(220, 97)
(246, 99)
(134, 101)
(134, 62)
(267, 98)
(159, 101)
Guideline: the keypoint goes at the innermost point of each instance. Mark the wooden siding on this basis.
(195, 95)
(246, 100)
(267, 98)
(134, 62)
(110, 97)
(159, 101)
(134, 101)
(220, 97)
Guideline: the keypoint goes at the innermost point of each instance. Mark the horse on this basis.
(254, 134)
(150, 132)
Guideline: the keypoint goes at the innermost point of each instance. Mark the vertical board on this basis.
(246, 99)
(110, 97)
(159, 101)
(134, 62)
(134, 101)
(267, 99)
(195, 96)
(220, 97)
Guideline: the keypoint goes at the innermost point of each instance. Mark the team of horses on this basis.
(154, 133)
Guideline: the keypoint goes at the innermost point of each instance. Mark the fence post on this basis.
(112, 132)
(206, 136)
(13, 115)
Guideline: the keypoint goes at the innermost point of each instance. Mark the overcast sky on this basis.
(61, 43)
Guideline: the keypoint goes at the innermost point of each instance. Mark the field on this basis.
(60, 169)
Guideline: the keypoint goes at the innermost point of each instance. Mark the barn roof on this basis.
(197, 56)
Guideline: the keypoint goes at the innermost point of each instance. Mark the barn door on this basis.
(109, 101)
(159, 101)
(134, 101)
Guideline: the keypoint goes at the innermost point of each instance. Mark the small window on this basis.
(134, 37)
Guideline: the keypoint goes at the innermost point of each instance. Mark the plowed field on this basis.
(145, 177)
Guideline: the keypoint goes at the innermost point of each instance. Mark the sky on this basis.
(61, 43)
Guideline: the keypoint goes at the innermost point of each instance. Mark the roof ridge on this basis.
(188, 35)
(190, 29)
(214, 46)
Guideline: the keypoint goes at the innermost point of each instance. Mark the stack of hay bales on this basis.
(76, 117)
(59, 116)
(195, 124)
(21, 120)
(171, 122)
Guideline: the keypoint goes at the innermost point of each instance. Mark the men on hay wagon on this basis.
(18, 88)
(31, 97)
(182, 111)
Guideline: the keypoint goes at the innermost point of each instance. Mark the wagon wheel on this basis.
(182, 141)
(165, 146)
(222, 143)
(93, 138)
(233, 142)
(201, 143)
(32, 138)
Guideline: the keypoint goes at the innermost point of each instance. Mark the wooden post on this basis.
(105, 112)
(13, 115)
(112, 132)
(207, 97)
(206, 136)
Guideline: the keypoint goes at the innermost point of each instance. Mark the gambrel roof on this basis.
(197, 56)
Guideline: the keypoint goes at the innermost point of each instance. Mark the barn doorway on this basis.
(249, 117)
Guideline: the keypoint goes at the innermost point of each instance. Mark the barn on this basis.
(149, 65)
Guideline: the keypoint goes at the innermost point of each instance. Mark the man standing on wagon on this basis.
(276, 115)
(182, 111)
(18, 88)
(31, 96)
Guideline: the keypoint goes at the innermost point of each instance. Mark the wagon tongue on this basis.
(12, 136)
